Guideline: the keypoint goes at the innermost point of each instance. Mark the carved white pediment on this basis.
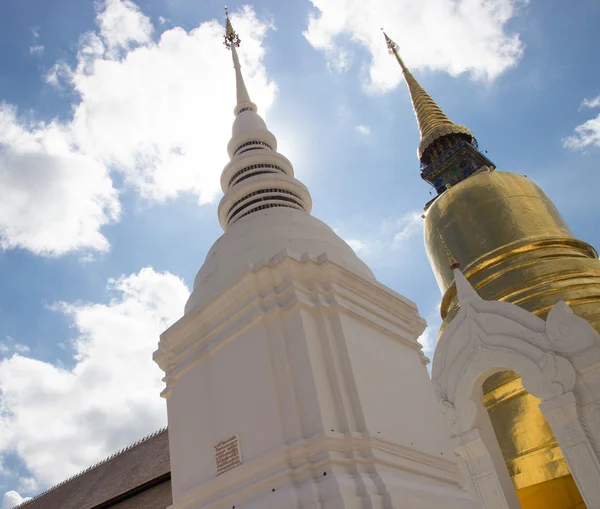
(558, 360)
(490, 336)
(568, 333)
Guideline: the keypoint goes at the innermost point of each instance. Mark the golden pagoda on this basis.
(513, 245)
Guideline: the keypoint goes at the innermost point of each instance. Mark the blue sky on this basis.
(113, 126)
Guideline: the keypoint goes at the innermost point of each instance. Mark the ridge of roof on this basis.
(93, 466)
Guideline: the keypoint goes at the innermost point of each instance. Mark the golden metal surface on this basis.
(561, 493)
(433, 122)
(526, 440)
(533, 458)
(513, 245)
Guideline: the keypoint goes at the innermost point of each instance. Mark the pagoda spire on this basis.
(448, 151)
(452, 263)
(257, 177)
(232, 41)
(433, 122)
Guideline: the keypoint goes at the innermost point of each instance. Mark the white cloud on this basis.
(391, 234)
(586, 134)
(122, 25)
(55, 198)
(339, 59)
(109, 398)
(358, 245)
(161, 113)
(407, 227)
(29, 485)
(449, 35)
(12, 499)
(591, 103)
(157, 111)
(8, 346)
(36, 49)
(55, 74)
(363, 129)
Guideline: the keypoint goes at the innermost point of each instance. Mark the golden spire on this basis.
(452, 263)
(231, 37)
(433, 122)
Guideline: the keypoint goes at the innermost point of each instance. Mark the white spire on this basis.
(257, 177)
(232, 41)
(265, 211)
(240, 86)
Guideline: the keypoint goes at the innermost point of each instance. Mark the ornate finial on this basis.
(391, 45)
(232, 41)
(393, 50)
(231, 37)
(453, 264)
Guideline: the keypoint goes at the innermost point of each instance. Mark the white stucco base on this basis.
(559, 362)
(319, 373)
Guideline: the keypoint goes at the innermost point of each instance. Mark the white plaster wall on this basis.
(299, 372)
(232, 390)
(396, 394)
(318, 393)
(319, 374)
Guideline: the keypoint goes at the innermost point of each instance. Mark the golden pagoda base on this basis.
(514, 246)
(560, 493)
(534, 461)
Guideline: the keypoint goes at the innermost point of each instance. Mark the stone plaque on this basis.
(227, 454)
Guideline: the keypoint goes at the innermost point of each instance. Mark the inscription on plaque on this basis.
(227, 454)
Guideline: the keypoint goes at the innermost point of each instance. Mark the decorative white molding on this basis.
(483, 467)
(263, 290)
(559, 362)
(342, 410)
(590, 421)
(567, 333)
(561, 413)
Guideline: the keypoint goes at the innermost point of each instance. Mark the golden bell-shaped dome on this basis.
(513, 245)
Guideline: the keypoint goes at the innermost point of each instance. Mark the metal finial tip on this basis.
(391, 45)
(231, 37)
(452, 262)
